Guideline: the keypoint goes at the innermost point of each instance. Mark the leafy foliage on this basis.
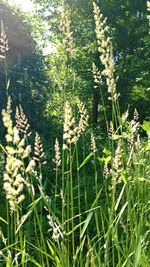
(87, 203)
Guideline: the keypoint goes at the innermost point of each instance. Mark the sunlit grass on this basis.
(98, 210)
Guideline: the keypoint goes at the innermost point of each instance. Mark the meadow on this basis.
(97, 212)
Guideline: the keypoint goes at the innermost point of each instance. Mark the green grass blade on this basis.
(54, 256)
(23, 219)
(87, 221)
(1, 219)
(86, 160)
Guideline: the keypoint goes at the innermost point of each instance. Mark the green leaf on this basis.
(116, 136)
(138, 254)
(55, 257)
(8, 84)
(86, 160)
(125, 135)
(146, 126)
(3, 149)
(79, 248)
(1, 219)
(87, 221)
(35, 202)
(119, 198)
(120, 214)
(34, 261)
(106, 160)
(106, 151)
(74, 229)
(124, 176)
(23, 219)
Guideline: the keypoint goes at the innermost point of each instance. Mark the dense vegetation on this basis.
(75, 138)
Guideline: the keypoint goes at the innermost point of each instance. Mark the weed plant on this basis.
(99, 211)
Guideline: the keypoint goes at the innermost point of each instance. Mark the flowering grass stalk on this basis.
(100, 215)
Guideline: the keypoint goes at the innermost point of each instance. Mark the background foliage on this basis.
(83, 201)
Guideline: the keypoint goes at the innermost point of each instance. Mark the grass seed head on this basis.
(65, 27)
(117, 166)
(55, 228)
(93, 143)
(39, 155)
(106, 51)
(22, 121)
(3, 42)
(57, 159)
(73, 131)
(96, 75)
(13, 180)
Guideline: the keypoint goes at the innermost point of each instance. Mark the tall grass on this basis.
(99, 211)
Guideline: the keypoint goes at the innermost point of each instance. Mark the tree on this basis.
(129, 29)
(22, 65)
